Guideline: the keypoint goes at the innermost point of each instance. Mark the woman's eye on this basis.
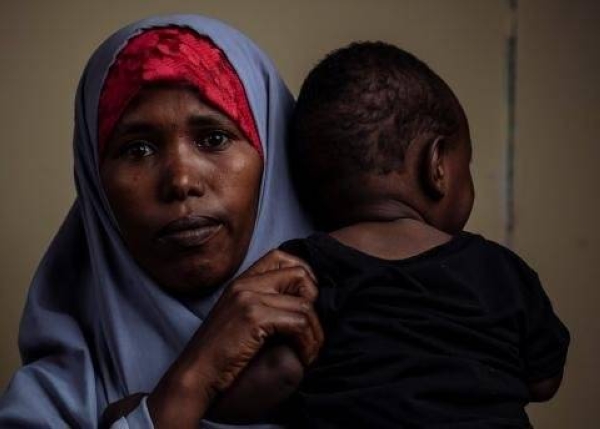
(137, 149)
(214, 140)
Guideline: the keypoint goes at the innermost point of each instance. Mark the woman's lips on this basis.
(189, 231)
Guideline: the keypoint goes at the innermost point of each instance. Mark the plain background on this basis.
(536, 181)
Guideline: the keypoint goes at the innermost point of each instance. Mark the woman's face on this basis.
(183, 183)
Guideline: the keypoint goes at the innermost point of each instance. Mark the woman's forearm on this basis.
(183, 395)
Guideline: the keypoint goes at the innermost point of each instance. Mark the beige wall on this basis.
(557, 197)
(44, 46)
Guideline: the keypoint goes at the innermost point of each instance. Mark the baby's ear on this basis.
(433, 175)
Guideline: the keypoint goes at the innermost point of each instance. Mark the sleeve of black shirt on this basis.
(298, 248)
(326, 304)
(546, 338)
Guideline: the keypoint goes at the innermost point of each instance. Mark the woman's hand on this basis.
(273, 297)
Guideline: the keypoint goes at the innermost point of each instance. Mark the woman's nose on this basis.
(182, 175)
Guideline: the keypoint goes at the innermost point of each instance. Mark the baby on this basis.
(426, 326)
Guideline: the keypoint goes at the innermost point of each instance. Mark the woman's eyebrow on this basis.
(196, 121)
(135, 127)
(210, 120)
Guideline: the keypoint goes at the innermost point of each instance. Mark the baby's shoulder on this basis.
(485, 250)
(502, 270)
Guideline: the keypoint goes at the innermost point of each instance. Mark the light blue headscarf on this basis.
(95, 327)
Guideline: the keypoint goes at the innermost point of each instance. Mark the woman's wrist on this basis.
(182, 396)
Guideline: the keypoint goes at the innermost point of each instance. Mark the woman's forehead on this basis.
(165, 105)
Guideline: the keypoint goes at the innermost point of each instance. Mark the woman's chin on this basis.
(191, 293)
(192, 281)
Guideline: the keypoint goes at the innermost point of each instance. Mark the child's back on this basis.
(426, 326)
(452, 335)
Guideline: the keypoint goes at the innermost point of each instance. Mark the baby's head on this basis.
(376, 132)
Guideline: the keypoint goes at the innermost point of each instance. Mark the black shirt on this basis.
(446, 339)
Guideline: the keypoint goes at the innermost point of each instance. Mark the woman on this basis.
(182, 185)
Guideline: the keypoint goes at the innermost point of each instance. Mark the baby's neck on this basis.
(396, 239)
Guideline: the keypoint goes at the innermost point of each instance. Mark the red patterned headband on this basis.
(174, 54)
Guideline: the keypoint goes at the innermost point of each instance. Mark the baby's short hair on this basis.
(358, 111)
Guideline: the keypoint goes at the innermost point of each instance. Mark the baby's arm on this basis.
(268, 380)
(544, 390)
(546, 339)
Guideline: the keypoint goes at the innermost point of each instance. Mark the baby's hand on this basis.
(268, 380)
